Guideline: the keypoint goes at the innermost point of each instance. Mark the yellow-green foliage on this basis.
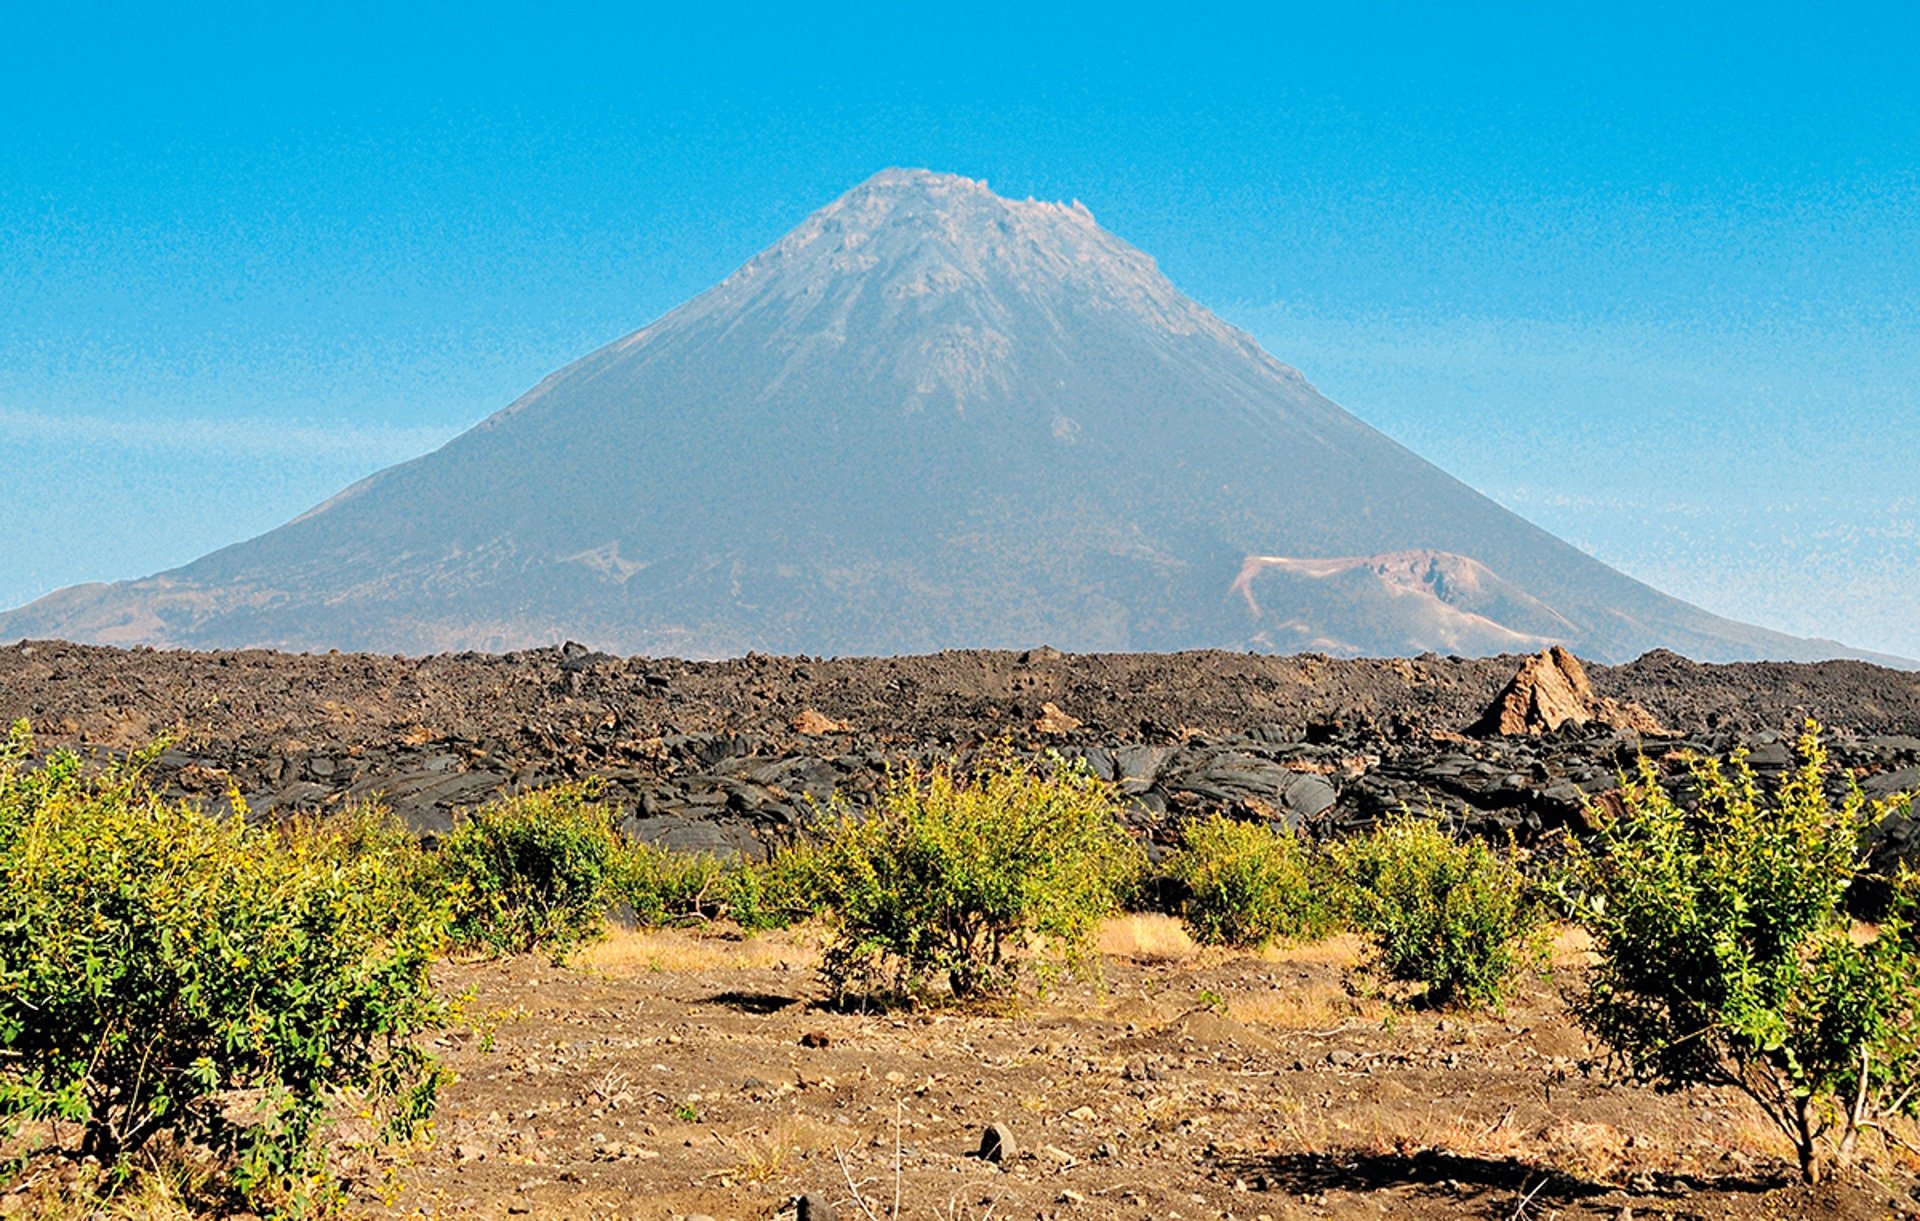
(1726, 955)
(1453, 914)
(535, 871)
(952, 874)
(155, 957)
(371, 839)
(663, 887)
(1247, 883)
(779, 892)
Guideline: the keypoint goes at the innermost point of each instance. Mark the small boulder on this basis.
(813, 723)
(1053, 722)
(813, 1207)
(997, 1144)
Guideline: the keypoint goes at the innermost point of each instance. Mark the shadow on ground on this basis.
(759, 1004)
(1493, 1187)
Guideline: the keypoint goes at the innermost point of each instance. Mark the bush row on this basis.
(1453, 917)
(967, 879)
(156, 959)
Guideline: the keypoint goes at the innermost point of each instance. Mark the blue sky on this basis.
(1647, 274)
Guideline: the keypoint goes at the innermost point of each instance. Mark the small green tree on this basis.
(155, 959)
(1247, 883)
(1726, 955)
(533, 872)
(1455, 915)
(951, 875)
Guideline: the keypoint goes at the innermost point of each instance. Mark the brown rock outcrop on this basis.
(1053, 722)
(1552, 689)
(813, 723)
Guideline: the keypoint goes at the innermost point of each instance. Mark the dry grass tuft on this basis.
(636, 951)
(1147, 937)
(766, 1155)
(1757, 1138)
(1903, 1147)
(163, 1186)
(1315, 1005)
(1594, 1151)
(1344, 950)
(1471, 1136)
(1298, 1125)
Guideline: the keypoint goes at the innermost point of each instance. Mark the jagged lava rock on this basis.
(1551, 690)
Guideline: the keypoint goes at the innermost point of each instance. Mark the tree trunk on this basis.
(1805, 1138)
(1855, 1113)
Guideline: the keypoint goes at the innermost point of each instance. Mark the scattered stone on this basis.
(997, 1144)
(814, 1207)
(815, 1038)
(1055, 723)
(813, 723)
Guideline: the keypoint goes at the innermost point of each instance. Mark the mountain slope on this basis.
(927, 417)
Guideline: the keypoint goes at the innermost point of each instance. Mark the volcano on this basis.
(928, 417)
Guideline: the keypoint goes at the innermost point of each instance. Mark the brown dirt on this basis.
(671, 1075)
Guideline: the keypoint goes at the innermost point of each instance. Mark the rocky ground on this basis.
(733, 754)
(690, 1074)
(696, 1075)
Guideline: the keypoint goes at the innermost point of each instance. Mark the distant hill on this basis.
(928, 417)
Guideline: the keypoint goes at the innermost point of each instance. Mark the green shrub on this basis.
(155, 958)
(1726, 956)
(533, 872)
(664, 887)
(1455, 915)
(779, 892)
(1247, 883)
(371, 838)
(951, 875)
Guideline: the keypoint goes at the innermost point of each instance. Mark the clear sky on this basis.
(1648, 274)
